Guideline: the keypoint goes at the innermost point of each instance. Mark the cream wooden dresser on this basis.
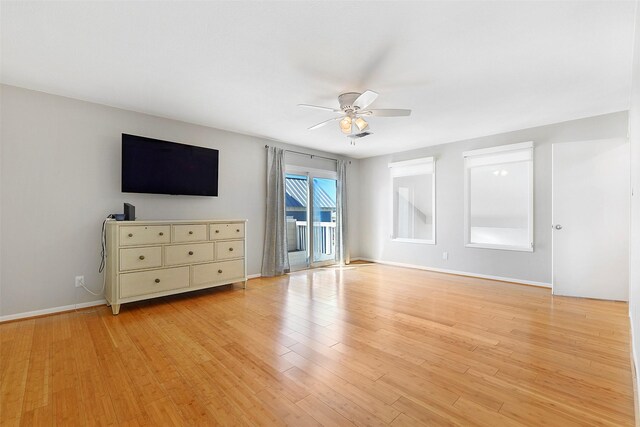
(148, 259)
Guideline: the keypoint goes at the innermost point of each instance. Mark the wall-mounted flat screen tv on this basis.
(163, 167)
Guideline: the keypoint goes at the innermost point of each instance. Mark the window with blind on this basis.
(413, 184)
(499, 197)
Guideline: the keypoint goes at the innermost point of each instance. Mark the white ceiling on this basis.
(466, 69)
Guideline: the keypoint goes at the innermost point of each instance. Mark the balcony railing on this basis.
(324, 237)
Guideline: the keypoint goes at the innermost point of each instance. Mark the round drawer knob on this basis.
(130, 234)
(157, 280)
(161, 233)
(217, 231)
(141, 257)
(190, 252)
(219, 271)
(237, 230)
(230, 249)
(190, 232)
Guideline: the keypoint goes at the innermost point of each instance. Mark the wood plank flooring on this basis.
(373, 345)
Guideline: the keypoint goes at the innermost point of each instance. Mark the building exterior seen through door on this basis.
(310, 199)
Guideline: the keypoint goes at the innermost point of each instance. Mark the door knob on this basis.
(557, 227)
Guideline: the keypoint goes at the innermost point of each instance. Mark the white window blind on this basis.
(421, 166)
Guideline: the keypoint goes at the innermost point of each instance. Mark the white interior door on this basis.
(591, 219)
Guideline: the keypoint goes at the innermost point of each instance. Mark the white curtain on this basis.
(342, 250)
(275, 259)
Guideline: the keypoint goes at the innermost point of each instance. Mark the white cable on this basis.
(104, 283)
(103, 241)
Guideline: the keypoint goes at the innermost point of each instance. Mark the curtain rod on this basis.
(307, 154)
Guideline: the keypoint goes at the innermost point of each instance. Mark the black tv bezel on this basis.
(162, 141)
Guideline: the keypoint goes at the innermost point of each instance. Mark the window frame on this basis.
(487, 152)
(405, 168)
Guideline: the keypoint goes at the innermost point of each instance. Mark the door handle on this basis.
(557, 227)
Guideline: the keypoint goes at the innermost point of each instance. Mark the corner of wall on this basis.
(1, 180)
(634, 232)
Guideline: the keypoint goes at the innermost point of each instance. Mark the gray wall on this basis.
(60, 176)
(634, 238)
(375, 200)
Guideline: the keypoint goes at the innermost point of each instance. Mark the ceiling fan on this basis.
(353, 109)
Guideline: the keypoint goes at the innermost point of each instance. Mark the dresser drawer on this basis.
(217, 272)
(144, 234)
(149, 282)
(137, 258)
(229, 249)
(189, 232)
(188, 254)
(226, 231)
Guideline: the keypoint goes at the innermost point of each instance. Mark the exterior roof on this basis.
(296, 195)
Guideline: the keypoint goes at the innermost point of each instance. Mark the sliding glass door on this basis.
(311, 217)
(324, 221)
(297, 208)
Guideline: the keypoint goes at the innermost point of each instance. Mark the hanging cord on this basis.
(103, 258)
(103, 239)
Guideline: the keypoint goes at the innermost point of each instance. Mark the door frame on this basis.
(312, 173)
(553, 219)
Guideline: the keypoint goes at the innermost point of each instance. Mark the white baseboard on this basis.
(60, 309)
(52, 310)
(460, 273)
(255, 276)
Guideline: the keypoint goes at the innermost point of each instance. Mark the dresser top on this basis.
(176, 221)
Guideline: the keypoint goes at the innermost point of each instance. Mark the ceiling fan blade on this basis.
(324, 123)
(365, 99)
(386, 113)
(317, 107)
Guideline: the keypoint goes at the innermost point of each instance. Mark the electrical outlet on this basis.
(79, 281)
(445, 255)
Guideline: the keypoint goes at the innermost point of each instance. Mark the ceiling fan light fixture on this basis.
(345, 125)
(361, 123)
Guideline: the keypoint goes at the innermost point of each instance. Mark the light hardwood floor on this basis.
(373, 345)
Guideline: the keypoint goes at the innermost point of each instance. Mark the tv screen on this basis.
(163, 167)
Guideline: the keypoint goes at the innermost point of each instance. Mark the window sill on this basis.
(499, 247)
(421, 241)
